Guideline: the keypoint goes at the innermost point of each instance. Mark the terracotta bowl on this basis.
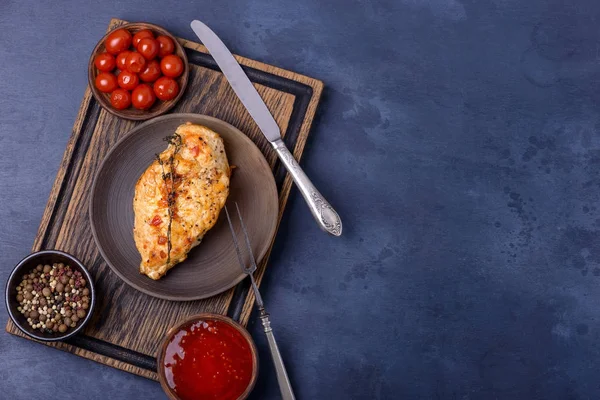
(198, 317)
(159, 107)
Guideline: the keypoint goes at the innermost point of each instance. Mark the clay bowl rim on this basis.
(203, 316)
(160, 107)
(29, 262)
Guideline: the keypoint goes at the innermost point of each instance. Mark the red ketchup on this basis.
(208, 359)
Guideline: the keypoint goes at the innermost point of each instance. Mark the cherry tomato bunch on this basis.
(137, 69)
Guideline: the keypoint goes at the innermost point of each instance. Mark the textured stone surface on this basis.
(460, 143)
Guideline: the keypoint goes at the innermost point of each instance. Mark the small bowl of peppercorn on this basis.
(50, 295)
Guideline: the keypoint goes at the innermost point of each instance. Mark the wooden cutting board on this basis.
(128, 326)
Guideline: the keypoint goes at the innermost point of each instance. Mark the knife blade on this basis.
(239, 81)
(327, 218)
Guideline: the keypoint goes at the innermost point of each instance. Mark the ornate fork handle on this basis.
(282, 378)
(327, 218)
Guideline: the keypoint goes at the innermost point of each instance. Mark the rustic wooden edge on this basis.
(63, 167)
(285, 191)
(317, 87)
(100, 358)
(316, 84)
(62, 171)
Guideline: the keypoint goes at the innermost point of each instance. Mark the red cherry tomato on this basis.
(105, 62)
(152, 71)
(144, 33)
(122, 60)
(120, 99)
(128, 80)
(166, 46)
(171, 66)
(148, 48)
(166, 88)
(106, 82)
(135, 62)
(143, 97)
(118, 41)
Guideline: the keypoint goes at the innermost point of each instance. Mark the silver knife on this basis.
(324, 214)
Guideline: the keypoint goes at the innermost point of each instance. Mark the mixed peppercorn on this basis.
(53, 298)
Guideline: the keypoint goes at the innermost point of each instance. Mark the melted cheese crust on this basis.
(201, 188)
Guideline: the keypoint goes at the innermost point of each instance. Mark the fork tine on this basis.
(235, 242)
(246, 239)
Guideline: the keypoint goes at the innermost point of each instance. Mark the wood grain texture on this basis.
(128, 324)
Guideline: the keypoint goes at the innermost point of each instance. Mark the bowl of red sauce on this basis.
(208, 356)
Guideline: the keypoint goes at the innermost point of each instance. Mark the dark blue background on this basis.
(460, 143)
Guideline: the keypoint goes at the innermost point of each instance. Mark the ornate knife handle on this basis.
(324, 214)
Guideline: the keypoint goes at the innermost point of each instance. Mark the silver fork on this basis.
(282, 377)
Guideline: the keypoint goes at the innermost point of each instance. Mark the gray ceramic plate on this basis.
(211, 267)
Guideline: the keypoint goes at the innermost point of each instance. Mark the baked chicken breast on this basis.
(179, 197)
